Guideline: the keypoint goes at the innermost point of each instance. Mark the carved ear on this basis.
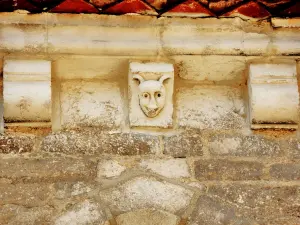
(139, 78)
(163, 78)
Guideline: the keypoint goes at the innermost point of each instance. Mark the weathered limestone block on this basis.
(210, 210)
(30, 195)
(47, 169)
(110, 169)
(27, 91)
(96, 142)
(210, 107)
(20, 215)
(16, 143)
(285, 171)
(260, 203)
(64, 190)
(223, 169)
(86, 212)
(151, 94)
(171, 168)
(23, 37)
(273, 96)
(237, 144)
(187, 143)
(147, 217)
(211, 68)
(91, 103)
(146, 192)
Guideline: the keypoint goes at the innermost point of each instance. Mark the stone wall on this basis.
(91, 167)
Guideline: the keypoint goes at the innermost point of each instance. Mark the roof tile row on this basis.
(193, 8)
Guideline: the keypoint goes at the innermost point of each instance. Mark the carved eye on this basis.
(145, 95)
(158, 94)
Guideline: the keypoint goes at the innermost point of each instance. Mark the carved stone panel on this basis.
(151, 94)
(27, 91)
(273, 96)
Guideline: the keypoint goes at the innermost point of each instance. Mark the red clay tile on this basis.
(249, 10)
(157, 4)
(204, 2)
(273, 3)
(131, 6)
(74, 6)
(6, 5)
(221, 5)
(189, 8)
(24, 4)
(45, 3)
(293, 11)
(101, 3)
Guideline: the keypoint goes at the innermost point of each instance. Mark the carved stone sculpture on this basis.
(152, 95)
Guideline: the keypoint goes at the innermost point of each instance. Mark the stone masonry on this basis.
(207, 167)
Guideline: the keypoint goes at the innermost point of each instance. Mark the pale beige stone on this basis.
(211, 68)
(273, 95)
(83, 213)
(147, 217)
(27, 90)
(285, 22)
(151, 94)
(90, 67)
(171, 168)
(109, 40)
(22, 37)
(146, 192)
(109, 169)
(210, 107)
(91, 103)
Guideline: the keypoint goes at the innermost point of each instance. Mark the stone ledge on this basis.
(142, 35)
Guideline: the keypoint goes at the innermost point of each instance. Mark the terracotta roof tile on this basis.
(273, 3)
(189, 8)
(249, 10)
(131, 6)
(293, 11)
(24, 4)
(221, 5)
(6, 5)
(74, 6)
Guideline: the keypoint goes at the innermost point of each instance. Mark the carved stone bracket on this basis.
(150, 94)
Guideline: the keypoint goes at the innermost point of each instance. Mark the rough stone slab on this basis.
(210, 211)
(29, 38)
(261, 203)
(64, 190)
(147, 217)
(95, 142)
(285, 171)
(210, 107)
(171, 168)
(212, 68)
(228, 170)
(47, 168)
(25, 194)
(146, 192)
(16, 143)
(19, 215)
(109, 169)
(91, 103)
(187, 143)
(86, 212)
(237, 144)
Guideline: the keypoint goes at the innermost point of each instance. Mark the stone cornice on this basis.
(145, 35)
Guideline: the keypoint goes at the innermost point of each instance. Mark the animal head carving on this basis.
(152, 95)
